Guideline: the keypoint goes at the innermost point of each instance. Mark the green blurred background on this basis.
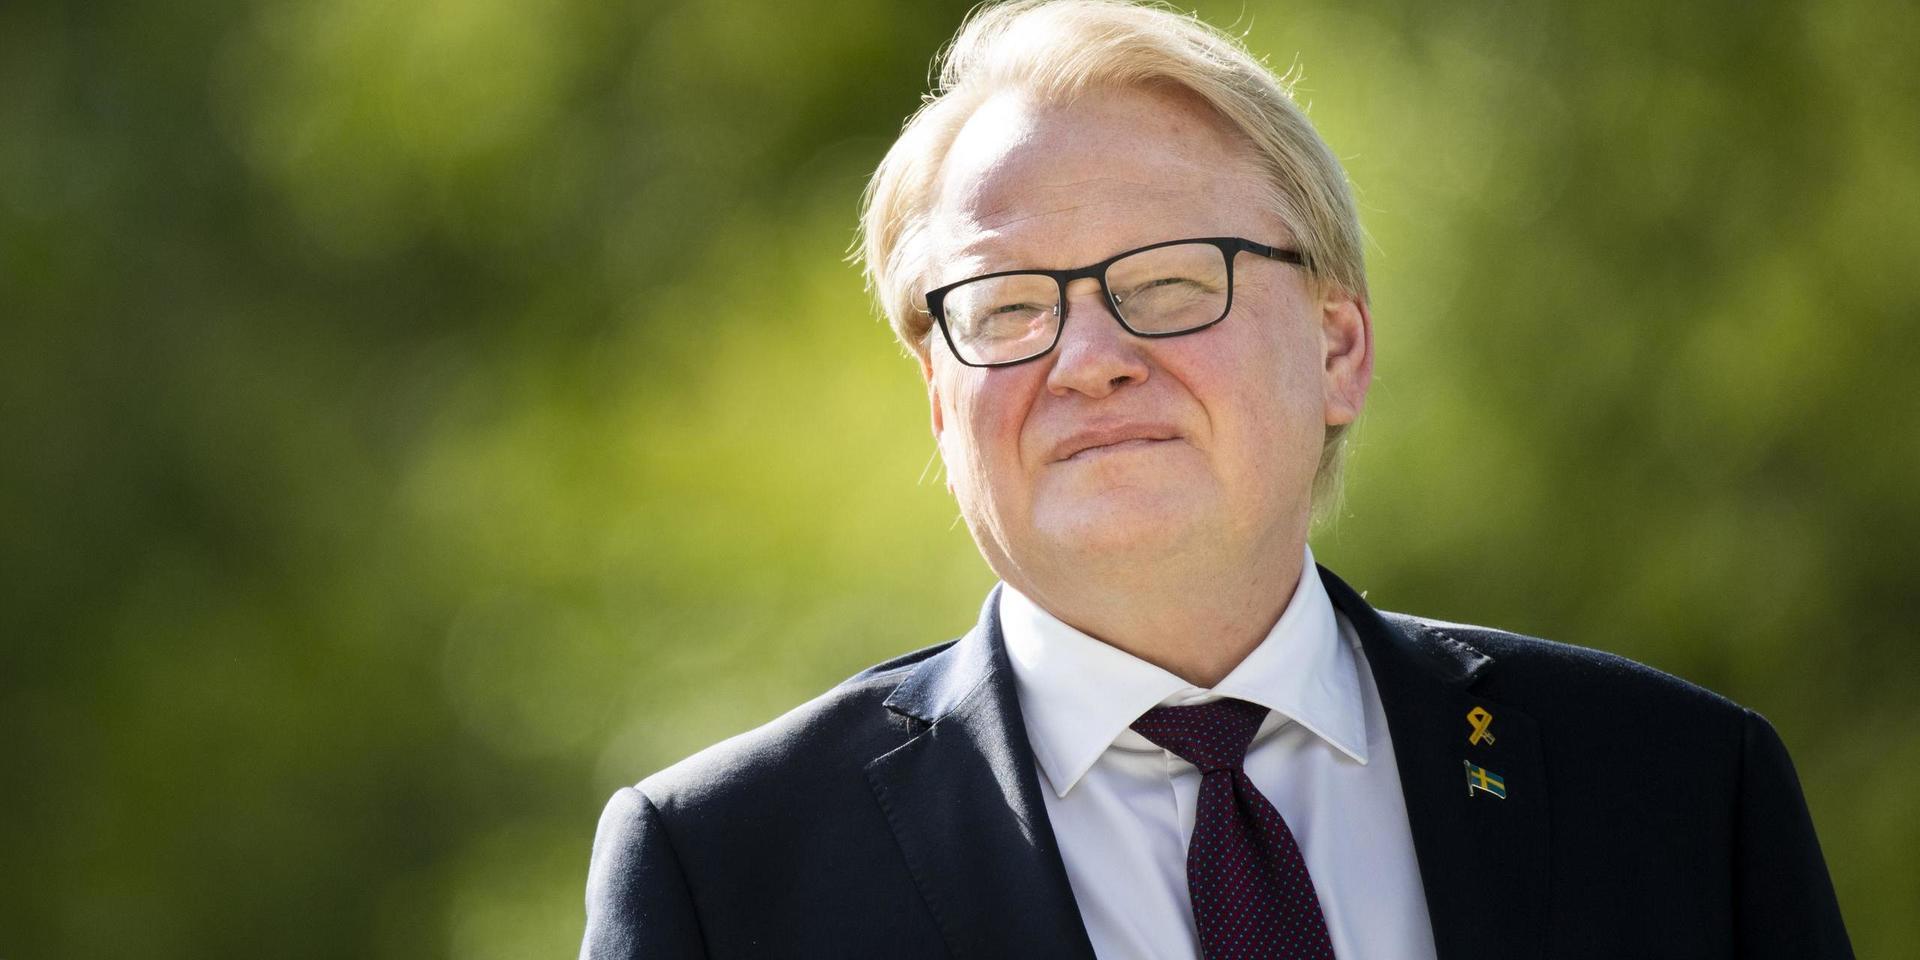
(420, 419)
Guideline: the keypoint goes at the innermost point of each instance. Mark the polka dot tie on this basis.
(1251, 893)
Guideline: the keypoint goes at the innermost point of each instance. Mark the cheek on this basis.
(1288, 362)
(986, 411)
(1262, 374)
(1264, 398)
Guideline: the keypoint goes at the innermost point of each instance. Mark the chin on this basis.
(1130, 519)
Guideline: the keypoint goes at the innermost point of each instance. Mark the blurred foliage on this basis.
(420, 419)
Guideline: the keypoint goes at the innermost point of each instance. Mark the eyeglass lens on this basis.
(1159, 291)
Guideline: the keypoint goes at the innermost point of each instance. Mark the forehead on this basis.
(1058, 185)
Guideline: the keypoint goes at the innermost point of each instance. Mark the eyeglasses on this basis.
(1160, 290)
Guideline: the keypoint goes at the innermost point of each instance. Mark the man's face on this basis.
(1117, 451)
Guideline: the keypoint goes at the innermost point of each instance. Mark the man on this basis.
(1132, 275)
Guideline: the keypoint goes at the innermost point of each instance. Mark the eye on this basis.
(1007, 321)
(1161, 284)
(1016, 308)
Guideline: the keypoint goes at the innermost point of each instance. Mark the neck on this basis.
(1197, 624)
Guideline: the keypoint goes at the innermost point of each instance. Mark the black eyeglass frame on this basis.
(1228, 246)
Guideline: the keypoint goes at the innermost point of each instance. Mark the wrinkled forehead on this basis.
(1065, 180)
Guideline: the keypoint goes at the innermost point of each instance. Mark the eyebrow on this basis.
(990, 252)
(994, 225)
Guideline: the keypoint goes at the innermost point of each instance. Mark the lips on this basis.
(1115, 435)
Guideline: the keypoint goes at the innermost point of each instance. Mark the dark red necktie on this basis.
(1251, 893)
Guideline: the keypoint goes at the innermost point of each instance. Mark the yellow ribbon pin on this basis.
(1481, 720)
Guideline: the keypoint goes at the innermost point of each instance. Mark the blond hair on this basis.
(1059, 49)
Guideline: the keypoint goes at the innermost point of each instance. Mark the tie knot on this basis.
(1212, 736)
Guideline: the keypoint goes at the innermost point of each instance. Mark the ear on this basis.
(1346, 336)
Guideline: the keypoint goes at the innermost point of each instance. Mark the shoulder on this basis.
(1617, 739)
(827, 737)
(1592, 687)
(1671, 803)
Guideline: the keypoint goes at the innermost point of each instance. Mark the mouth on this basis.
(1113, 439)
(1107, 449)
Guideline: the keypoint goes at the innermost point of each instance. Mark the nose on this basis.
(1095, 356)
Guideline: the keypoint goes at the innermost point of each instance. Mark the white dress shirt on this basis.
(1123, 809)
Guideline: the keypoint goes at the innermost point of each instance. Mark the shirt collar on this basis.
(1078, 695)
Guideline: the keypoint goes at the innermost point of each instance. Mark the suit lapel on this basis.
(964, 802)
(1483, 859)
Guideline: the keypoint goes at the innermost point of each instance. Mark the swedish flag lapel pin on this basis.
(1480, 720)
(1480, 778)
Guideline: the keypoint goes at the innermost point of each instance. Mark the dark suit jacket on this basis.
(899, 815)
